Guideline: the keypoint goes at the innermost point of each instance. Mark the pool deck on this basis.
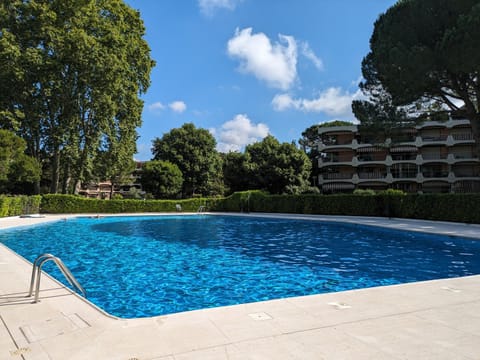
(437, 319)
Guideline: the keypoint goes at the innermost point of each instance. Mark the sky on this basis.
(244, 69)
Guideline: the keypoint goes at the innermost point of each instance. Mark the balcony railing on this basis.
(404, 175)
(371, 175)
(435, 174)
(336, 159)
(371, 158)
(466, 174)
(429, 138)
(465, 155)
(434, 156)
(464, 136)
(404, 157)
(337, 176)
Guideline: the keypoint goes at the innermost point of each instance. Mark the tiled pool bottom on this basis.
(435, 319)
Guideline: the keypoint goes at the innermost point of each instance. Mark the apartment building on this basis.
(433, 157)
(104, 189)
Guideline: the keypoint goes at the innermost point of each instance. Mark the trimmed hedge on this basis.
(19, 205)
(70, 204)
(443, 207)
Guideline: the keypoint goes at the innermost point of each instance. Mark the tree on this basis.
(276, 167)
(193, 151)
(235, 173)
(424, 53)
(17, 170)
(70, 79)
(162, 179)
(379, 118)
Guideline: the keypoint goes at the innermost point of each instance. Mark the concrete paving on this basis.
(426, 320)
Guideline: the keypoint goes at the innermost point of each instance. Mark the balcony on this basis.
(331, 158)
(433, 138)
(464, 155)
(371, 175)
(404, 174)
(434, 156)
(465, 173)
(371, 157)
(337, 176)
(435, 174)
(462, 136)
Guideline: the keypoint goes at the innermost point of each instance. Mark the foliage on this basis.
(68, 204)
(424, 53)
(162, 178)
(273, 167)
(379, 118)
(367, 192)
(193, 151)
(235, 173)
(442, 207)
(17, 170)
(70, 78)
(18, 205)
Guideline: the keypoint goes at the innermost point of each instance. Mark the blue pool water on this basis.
(146, 266)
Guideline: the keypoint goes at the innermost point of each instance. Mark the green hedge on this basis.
(445, 207)
(70, 204)
(19, 205)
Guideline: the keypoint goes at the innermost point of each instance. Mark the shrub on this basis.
(18, 205)
(61, 204)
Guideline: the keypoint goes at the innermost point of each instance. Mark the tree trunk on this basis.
(66, 179)
(55, 172)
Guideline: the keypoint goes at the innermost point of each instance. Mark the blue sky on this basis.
(247, 68)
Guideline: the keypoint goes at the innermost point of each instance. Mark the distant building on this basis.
(433, 157)
(103, 189)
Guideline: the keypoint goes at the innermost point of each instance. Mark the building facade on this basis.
(433, 157)
(105, 189)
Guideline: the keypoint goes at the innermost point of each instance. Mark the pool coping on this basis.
(435, 318)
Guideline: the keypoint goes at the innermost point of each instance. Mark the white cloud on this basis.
(178, 106)
(238, 132)
(283, 102)
(208, 7)
(274, 63)
(156, 107)
(307, 51)
(333, 101)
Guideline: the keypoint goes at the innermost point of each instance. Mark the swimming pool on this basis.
(146, 266)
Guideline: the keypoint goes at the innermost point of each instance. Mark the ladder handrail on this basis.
(37, 272)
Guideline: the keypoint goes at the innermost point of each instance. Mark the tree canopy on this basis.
(277, 167)
(161, 178)
(17, 170)
(424, 54)
(193, 151)
(70, 78)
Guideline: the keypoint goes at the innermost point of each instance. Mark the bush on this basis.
(62, 204)
(19, 205)
(445, 207)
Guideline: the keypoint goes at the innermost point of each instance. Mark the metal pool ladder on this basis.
(37, 272)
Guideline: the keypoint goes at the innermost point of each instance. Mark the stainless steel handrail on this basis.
(37, 272)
